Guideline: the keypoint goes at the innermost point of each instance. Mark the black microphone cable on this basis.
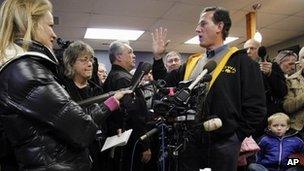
(132, 158)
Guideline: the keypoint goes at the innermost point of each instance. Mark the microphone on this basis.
(262, 53)
(209, 67)
(149, 134)
(98, 99)
(142, 69)
(184, 94)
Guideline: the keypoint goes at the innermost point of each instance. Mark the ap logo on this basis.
(293, 161)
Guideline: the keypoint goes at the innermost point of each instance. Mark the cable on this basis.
(131, 167)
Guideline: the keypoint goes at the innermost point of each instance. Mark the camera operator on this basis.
(236, 95)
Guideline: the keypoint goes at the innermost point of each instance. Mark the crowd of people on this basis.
(43, 127)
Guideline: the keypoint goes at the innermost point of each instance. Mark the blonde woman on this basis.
(47, 130)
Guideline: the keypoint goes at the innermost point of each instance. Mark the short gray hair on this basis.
(171, 54)
(70, 55)
(116, 48)
(283, 54)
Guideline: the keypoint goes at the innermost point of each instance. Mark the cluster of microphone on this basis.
(181, 96)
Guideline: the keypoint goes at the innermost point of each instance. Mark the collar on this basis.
(212, 53)
(118, 67)
(37, 47)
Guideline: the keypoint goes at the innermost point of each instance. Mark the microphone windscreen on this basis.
(207, 78)
(210, 66)
(262, 52)
(137, 72)
(146, 67)
(142, 69)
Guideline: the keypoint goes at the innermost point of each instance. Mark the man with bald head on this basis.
(252, 47)
(273, 79)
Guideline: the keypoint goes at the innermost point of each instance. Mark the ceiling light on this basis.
(258, 36)
(112, 34)
(195, 40)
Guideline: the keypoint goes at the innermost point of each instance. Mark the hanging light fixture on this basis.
(257, 36)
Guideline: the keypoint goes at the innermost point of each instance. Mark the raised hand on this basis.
(159, 42)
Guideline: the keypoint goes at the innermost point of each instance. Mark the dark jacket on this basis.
(236, 97)
(275, 89)
(275, 150)
(47, 130)
(131, 115)
(133, 106)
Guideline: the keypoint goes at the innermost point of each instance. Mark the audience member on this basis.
(172, 61)
(252, 47)
(236, 95)
(274, 83)
(133, 111)
(287, 59)
(277, 145)
(78, 67)
(294, 100)
(102, 73)
(47, 130)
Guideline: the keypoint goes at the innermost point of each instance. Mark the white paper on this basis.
(117, 140)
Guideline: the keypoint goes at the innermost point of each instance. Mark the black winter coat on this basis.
(133, 106)
(47, 130)
(237, 97)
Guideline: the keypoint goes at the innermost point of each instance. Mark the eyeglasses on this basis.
(170, 61)
(86, 59)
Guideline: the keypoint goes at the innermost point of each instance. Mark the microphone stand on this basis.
(163, 154)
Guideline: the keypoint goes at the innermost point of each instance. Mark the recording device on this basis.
(142, 69)
(180, 104)
(98, 99)
(158, 83)
(183, 95)
(262, 53)
(149, 134)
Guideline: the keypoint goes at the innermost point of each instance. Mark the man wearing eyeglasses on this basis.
(172, 61)
(294, 100)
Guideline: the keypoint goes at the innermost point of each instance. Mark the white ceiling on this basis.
(277, 20)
